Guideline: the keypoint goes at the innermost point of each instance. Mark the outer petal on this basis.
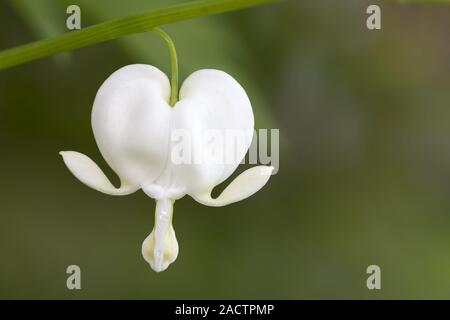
(91, 175)
(211, 100)
(246, 184)
(131, 121)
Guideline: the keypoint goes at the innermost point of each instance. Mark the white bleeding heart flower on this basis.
(133, 122)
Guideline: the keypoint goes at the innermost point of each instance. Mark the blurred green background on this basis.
(365, 157)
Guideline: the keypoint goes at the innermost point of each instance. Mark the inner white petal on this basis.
(160, 248)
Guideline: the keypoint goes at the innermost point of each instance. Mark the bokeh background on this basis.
(364, 176)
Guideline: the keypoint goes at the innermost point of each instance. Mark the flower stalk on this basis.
(173, 64)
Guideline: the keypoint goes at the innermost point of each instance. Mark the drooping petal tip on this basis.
(89, 173)
(243, 186)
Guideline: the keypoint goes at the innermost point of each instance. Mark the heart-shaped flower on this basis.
(138, 133)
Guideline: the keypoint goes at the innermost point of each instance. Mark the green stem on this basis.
(119, 28)
(174, 66)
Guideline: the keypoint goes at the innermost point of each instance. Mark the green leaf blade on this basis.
(110, 30)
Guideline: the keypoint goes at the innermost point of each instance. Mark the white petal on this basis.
(91, 175)
(246, 184)
(160, 248)
(131, 122)
(211, 100)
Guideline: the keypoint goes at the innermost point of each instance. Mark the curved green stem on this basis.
(114, 29)
(173, 64)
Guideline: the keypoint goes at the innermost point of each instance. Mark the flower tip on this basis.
(158, 268)
(65, 154)
(267, 170)
(159, 260)
(160, 248)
